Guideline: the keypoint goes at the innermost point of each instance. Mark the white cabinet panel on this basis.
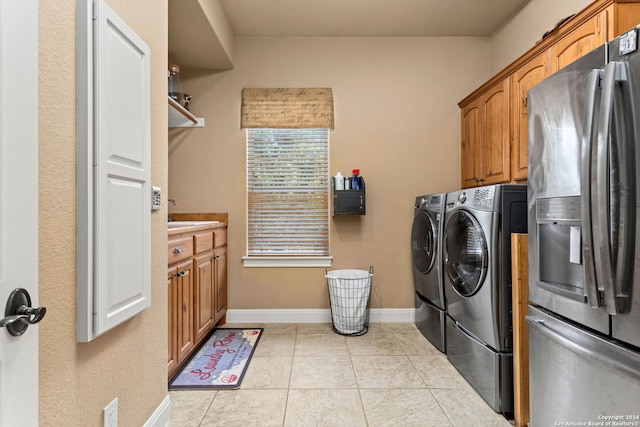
(114, 189)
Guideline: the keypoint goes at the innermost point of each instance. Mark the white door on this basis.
(114, 170)
(18, 204)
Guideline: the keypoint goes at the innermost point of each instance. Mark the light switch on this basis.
(155, 199)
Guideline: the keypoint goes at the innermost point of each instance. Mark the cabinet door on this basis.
(172, 297)
(114, 175)
(579, 42)
(523, 79)
(185, 297)
(494, 155)
(221, 282)
(470, 133)
(621, 17)
(205, 296)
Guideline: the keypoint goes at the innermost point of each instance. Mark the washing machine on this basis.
(477, 281)
(426, 248)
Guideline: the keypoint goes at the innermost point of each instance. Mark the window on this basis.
(287, 175)
(287, 197)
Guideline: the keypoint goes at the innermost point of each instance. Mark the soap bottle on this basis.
(338, 181)
(355, 181)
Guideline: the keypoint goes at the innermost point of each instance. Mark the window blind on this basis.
(287, 192)
(286, 108)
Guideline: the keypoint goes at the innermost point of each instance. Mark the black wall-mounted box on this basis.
(349, 202)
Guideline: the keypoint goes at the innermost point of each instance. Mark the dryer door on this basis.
(466, 253)
(424, 241)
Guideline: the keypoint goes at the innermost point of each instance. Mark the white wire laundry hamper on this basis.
(349, 295)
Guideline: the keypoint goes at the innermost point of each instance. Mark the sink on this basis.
(174, 224)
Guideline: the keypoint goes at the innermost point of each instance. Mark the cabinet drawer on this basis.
(204, 241)
(220, 238)
(180, 249)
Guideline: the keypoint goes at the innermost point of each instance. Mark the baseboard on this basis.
(315, 315)
(161, 416)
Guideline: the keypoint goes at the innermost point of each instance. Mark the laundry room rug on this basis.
(220, 362)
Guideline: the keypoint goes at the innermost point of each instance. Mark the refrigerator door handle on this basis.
(603, 259)
(613, 197)
(623, 142)
(591, 286)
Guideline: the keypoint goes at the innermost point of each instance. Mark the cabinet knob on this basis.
(177, 250)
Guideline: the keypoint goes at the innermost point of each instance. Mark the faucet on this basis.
(174, 203)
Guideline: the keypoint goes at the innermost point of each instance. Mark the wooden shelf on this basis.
(180, 117)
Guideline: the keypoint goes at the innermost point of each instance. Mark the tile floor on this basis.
(307, 375)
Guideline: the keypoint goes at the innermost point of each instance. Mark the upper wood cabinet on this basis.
(523, 79)
(470, 133)
(582, 40)
(494, 117)
(485, 138)
(494, 159)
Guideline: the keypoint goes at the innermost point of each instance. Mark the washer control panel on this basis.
(433, 202)
(482, 198)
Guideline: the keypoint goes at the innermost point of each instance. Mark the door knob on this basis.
(19, 314)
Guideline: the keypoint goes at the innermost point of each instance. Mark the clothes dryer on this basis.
(426, 248)
(477, 281)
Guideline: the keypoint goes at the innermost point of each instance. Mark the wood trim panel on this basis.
(209, 216)
(520, 297)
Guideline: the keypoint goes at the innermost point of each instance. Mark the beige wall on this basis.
(396, 119)
(523, 31)
(129, 362)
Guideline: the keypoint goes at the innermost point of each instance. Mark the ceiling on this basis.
(368, 18)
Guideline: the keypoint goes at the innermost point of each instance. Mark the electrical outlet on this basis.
(110, 413)
(155, 199)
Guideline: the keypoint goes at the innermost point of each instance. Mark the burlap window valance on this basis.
(287, 108)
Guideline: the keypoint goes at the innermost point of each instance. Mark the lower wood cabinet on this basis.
(181, 297)
(197, 289)
(220, 259)
(205, 294)
(172, 298)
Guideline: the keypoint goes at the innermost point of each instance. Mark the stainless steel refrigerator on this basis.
(584, 240)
